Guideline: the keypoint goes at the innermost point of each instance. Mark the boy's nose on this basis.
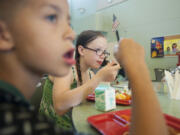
(72, 34)
(69, 34)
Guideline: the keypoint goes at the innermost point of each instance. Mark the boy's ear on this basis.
(6, 42)
(81, 50)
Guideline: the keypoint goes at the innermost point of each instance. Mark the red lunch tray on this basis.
(91, 97)
(116, 122)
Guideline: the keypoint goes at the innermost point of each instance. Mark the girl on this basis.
(61, 94)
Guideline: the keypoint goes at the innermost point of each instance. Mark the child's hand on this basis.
(130, 53)
(109, 72)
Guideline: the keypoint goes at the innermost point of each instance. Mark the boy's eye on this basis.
(52, 18)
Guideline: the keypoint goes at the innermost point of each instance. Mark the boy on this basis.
(35, 38)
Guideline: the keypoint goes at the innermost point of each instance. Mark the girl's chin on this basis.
(96, 67)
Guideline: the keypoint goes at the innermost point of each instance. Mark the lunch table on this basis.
(81, 112)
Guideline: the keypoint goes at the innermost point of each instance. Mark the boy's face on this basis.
(43, 37)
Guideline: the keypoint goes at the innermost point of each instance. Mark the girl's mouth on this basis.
(68, 57)
(99, 62)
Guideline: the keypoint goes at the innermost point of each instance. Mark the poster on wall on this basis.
(171, 47)
(157, 47)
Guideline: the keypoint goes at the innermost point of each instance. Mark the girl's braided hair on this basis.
(84, 39)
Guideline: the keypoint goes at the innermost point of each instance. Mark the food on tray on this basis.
(123, 96)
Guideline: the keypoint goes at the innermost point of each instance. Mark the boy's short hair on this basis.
(8, 8)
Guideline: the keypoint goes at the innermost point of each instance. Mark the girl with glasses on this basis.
(61, 94)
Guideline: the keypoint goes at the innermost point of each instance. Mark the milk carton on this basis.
(105, 97)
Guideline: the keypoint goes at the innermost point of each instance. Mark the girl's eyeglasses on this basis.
(99, 52)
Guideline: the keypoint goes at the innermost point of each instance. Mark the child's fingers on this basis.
(113, 63)
(116, 67)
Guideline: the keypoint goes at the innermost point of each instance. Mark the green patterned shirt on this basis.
(46, 107)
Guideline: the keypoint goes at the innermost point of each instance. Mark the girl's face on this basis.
(91, 58)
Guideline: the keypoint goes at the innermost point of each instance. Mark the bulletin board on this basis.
(157, 45)
(171, 46)
(165, 46)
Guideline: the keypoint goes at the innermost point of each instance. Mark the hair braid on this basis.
(78, 68)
